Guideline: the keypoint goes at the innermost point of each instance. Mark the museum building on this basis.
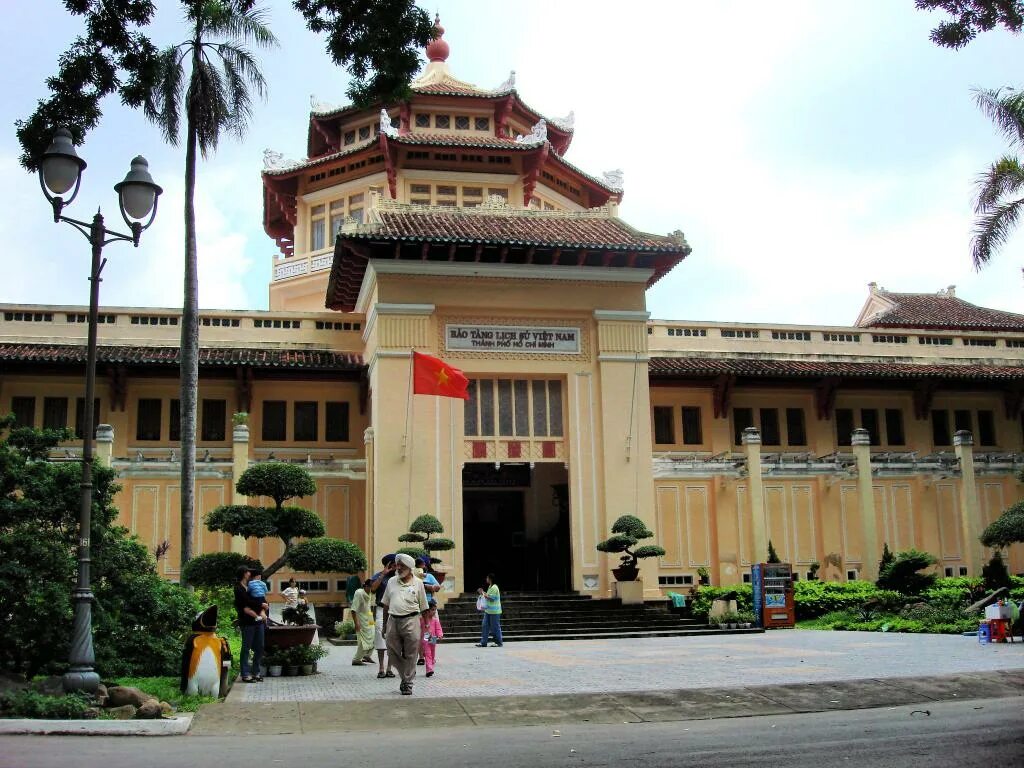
(454, 225)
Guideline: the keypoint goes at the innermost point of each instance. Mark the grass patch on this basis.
(166, 689)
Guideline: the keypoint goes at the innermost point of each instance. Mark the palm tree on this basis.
(216, 97)
(1000, 200)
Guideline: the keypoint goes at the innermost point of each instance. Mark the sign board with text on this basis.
(512, 338)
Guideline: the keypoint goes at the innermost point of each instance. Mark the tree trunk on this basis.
(189, 351)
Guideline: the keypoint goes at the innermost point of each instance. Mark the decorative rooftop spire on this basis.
(437, 49)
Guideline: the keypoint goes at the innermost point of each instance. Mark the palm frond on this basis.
(207, 103)
(239, 58)
(163, 103)
(992, 229)
(1005, 177)
(1005, 108)
(247, 26)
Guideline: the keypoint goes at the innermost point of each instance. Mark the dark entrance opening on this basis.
(516, 525)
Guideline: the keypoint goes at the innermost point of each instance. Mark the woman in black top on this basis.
(250, 621)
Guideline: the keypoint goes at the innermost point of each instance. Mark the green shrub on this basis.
(903, 574)
(217, 569)
(701, 602)
(29, 704)
(995, 573)
(326, 554)
(815, 598)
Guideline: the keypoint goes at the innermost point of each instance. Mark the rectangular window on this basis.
(521, 390)
(350, 137)
(462, 122)
(275, 420)
(469, 410)
(317, 235)
(214, 424)
(442, 121)
(55, 412)
(894, 427)
(486, 406)
(147, 422)
(962, 420)
(940, 428)
(422, 120)
(692, 433)
(796, 427)
(505, 407)
(741, 419)
(364, 133)
(664, 427)
(986, 428)
(336, 428)
(540, 409)
(869, 421)
(80, 416)
(305, 414)
(844, 426)
(482, 123)
(555, 408)
(24, 410)
(770, 426)
(175, 426)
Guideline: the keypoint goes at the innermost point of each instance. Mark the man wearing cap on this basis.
(405, 601)
(379, 583)
(430, 585)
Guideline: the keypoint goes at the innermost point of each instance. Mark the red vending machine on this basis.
(773, 594)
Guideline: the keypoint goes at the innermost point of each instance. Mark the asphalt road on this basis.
(962, 734)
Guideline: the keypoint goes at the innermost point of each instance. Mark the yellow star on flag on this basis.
(442, 377)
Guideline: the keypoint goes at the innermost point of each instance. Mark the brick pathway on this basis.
(648, 664)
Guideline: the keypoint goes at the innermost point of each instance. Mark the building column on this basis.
(870, 552)
(239, 463)
(104, 444)
(755, 487)
(368, 521)
(970, 518)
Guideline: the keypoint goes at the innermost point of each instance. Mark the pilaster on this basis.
(970, 518)
(870, 551)
(104, 444)
(239, 463)
(755, 488)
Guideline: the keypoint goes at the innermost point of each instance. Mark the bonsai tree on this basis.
(887, 558)
(216, 568)
(773, 556)
(280, 482)
(420, 532)
(902, 576)
(627, 531)
(995, 573)
(1006, 529)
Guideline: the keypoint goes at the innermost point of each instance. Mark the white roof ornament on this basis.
(538, 135)
(385, 125)
(567, 123)
(614, 179)
(276, 161)
(508, 85)
(321, 107)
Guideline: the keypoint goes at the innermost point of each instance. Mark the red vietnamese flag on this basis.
(431, 376)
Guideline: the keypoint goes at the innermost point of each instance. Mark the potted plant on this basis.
(746, 619)
(290, 657)
(421, 533)
(627, 531)
(812, 572)
(346, 629)
(704, 576)
(274, 664)
(239, 419)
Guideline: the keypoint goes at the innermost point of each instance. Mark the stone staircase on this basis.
(570, 616)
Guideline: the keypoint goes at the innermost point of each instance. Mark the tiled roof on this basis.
(584, 229)
(449, 88)
(942, 311)
(310, 359)
(666, 367)
(456, 140)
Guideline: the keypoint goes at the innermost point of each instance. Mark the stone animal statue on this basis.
(205, 658)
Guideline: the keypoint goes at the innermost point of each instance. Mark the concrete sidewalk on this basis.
(241, 719)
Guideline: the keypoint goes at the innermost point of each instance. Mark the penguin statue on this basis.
(206, 657)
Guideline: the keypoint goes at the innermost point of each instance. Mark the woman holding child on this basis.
(252, 622)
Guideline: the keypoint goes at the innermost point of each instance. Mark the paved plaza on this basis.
(647, 664)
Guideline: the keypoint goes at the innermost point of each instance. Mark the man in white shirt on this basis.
(405, 600)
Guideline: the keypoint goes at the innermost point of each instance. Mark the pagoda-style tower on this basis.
(452, 224)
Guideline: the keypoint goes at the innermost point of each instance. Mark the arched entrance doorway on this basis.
(516, 525)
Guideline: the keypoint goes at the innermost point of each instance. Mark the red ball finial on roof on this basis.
(437, 49)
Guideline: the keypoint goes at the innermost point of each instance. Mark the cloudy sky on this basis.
(805, 149)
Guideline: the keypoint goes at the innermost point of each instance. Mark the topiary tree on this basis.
(995, 573)
(627, 531)
(887, 558)
(281, 481)
(217, 568)
(902, 574)
(1006, 529)
(420, 532)
(773, 556)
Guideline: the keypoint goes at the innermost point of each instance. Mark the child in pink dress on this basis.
(432, 632)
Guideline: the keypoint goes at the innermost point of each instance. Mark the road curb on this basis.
(171, 726)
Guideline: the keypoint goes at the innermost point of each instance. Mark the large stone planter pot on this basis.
(274, 670)
(287, 635)
(307, 669)
(630, 592)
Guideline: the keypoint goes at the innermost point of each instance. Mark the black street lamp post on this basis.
(59, 171)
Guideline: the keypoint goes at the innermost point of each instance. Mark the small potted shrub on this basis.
(704, 576)
(346, 629)
(627, 531)
(274, 664)
(291, 660)
(746, 619)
